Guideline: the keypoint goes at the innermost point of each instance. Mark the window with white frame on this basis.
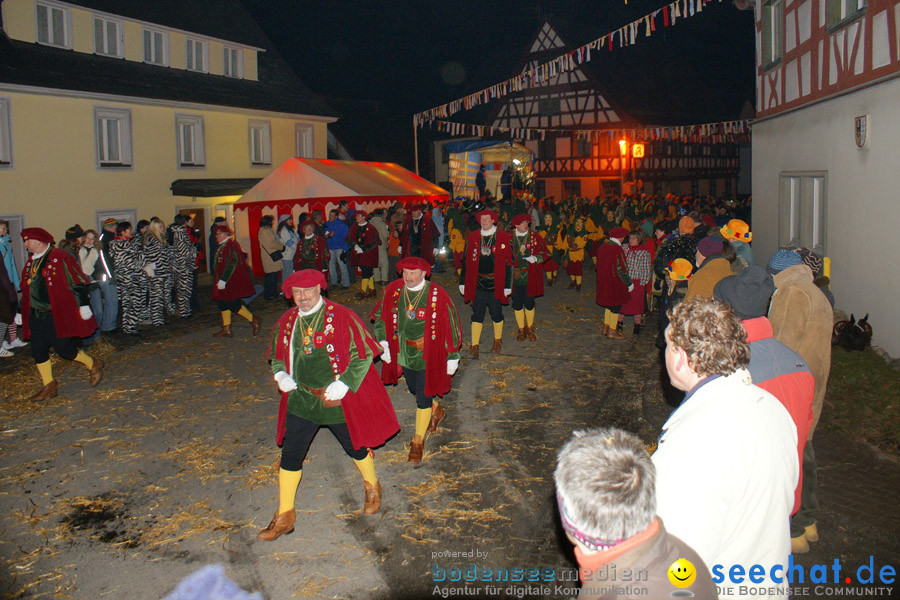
(53, 25)
(260, 143)
(109, 37)
(156, 47)
(802, 210)
(112, 128)
(189, 141)
(197, 56)
(304, 138)
(6, 161)
(840, 11)
(772, 42)
(233, 62)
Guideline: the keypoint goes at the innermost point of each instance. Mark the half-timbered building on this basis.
(825, 161)
(582, 118)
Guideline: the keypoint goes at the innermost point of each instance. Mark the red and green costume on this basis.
(312, 253)
(335, 346)
(430, 317)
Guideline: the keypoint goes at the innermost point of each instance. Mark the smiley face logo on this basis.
(682, 573)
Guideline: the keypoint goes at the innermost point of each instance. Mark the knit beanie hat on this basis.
(748, 292)
(781, 260)
(709, 246)
(811, 260)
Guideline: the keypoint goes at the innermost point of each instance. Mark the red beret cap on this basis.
(307, 222)
(619, 233)
(36, 233)
(522, 218)
(307, 278)
(359, 211)
(414, 262)
(490, 213)
(222, 228)
(708, 221)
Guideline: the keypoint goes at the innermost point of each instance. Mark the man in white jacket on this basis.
(727, 459)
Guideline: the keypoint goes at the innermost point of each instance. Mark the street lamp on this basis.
(623, 151)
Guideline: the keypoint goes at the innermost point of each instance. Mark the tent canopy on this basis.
(309, 178)
(309, 185)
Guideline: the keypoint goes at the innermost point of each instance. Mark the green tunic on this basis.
(413, 328)
(312, 370)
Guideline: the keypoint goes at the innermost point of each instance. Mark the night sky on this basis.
(378, 62)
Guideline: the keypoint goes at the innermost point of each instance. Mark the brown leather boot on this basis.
(373, 498)
(474, 350)
(282, 524)
(51, 390)
(530, 334)
(96, 372)
(571, 284)
(604, 330)
(520, 335)
(225, 332)
(614, 334)
(437, 415)
(416, 450)
(550, 281)
(496, 346)
(255, 324)
(577, 287)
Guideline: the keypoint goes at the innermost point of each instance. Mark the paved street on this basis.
(170, 463)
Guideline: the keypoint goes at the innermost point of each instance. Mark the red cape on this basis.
(240, 284)
(536, 247)
(369, 258)
(611, 289)
(438, 337)
(502, 257)
(368, 411)
(429, 232)
(58, 266)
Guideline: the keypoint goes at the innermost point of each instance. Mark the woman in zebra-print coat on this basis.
(184, 263)
(128, 258)
(158, 263)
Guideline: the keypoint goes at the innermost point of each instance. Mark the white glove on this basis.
(85, 312)
(399, 249)
(18, 319)
(531, 259)
(286, 383)
(507, 291)
(452, 366)
(631, 287)
(221, 284)
(462, 290)
(336, 390)
(150, 271)
(386, 355)
(358, 249)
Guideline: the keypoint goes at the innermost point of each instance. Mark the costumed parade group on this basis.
(679, 255)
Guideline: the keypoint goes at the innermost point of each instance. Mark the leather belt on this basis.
(320, 394)
(418, 344)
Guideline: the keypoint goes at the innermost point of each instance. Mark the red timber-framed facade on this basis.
(580, 151)
(824, 144)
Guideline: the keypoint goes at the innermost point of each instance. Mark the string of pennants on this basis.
(626, 35)
(730, 132)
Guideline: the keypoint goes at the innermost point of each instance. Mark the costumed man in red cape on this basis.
(312, 251)
(322, 354)
(613, 282)
(529, 254)
(232, 282)
(55, 309)
(486, 276)
(417, 325)
(419, 235)
(364, 240)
